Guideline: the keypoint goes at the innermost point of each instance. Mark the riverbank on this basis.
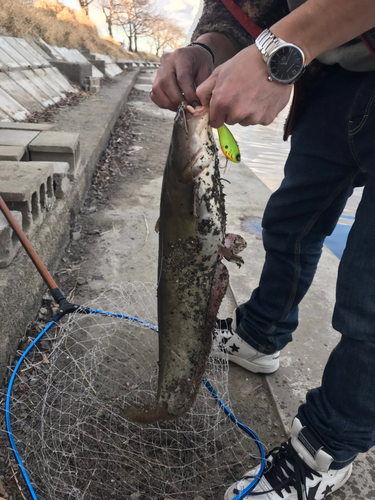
(112, 240)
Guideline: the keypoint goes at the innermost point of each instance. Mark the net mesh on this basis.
(67, 413)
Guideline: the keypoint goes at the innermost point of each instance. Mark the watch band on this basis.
(267, 42)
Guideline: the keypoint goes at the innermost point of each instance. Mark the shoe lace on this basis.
(287, 470)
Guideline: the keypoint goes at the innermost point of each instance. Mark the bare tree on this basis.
(124, 19)
(136, 18)
(84, 4)
(111, 10)
(166, 34)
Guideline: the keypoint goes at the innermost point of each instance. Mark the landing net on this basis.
(67, 409)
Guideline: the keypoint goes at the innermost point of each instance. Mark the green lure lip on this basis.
(229, 144)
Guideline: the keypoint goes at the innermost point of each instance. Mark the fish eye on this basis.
(226, 147)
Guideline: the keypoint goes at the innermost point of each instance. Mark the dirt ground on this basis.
(113, 241)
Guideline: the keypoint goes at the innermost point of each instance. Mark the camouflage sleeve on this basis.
(217, 18)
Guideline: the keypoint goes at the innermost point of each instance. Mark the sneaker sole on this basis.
(248, 365)
(229, 493)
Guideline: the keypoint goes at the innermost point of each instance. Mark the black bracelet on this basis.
(204, 47)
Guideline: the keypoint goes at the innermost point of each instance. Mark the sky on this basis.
(183, 11)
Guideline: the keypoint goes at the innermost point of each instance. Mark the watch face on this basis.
(286, 64)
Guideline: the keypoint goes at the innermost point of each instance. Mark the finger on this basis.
(252, 120)
(245, 123)
(205, 89)
(185, 81)
(167, 88)
(218, 114)
(171, 88)
(159, 97)
(203, 74)
(241, 118)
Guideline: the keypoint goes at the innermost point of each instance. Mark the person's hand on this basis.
(180, 73)
(238, 91)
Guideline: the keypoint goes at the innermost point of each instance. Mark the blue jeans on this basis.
(332, 151)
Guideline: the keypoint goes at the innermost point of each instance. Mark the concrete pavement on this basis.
(127, 252)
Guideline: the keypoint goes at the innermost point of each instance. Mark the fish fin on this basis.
(233, 245)
(230, 256)
(235, 242)
(157, 225)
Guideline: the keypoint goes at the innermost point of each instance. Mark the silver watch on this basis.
(285, 61)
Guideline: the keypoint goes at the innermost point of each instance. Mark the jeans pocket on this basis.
(361, 108)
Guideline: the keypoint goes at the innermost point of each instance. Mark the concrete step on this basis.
(110, 68)
(70, 62)
(27, 126)
(28, 206)
(76, 72)
(27, 187)
(57, 147)
(13, 153)
(20, 138)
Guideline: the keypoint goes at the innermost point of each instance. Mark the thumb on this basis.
(205, 89)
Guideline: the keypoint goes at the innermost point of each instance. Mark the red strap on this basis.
(368, 45)
(243, 18)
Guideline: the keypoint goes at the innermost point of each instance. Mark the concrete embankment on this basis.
(45, 169)
(20, 284)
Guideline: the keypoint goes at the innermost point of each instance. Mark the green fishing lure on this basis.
(229, 144)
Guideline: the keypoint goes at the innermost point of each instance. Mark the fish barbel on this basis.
(192, 280)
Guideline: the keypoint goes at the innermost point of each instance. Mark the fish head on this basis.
(194, 146)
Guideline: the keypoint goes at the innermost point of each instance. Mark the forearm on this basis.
(222, 48)
(217, 28)
(321, 25)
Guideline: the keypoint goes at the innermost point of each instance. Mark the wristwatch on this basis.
(285, 61)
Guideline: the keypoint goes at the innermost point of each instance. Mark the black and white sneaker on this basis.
(227, 343)
(297, 470)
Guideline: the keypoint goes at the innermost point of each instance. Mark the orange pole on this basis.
(50, 282)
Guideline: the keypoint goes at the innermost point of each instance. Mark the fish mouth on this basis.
(193, 123)
(199, 110)
(197, 120)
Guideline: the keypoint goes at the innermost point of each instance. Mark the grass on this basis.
(58, 25)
